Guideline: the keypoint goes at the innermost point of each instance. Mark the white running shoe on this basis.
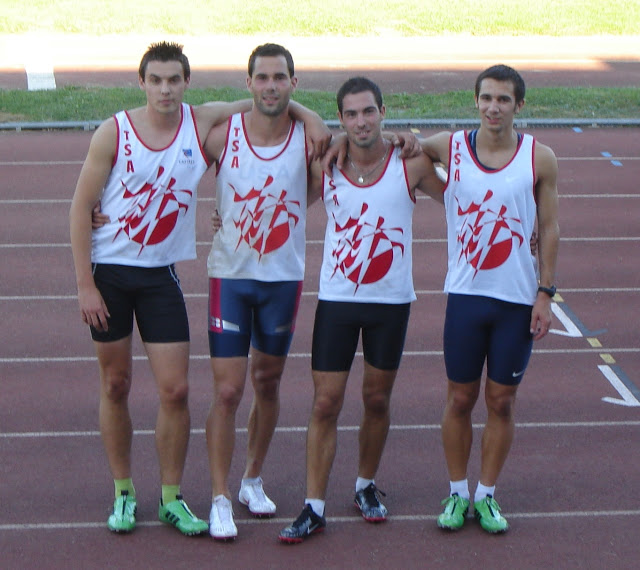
(221, 525)
(254, 497)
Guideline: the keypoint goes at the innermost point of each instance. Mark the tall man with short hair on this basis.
(256, 270)
(501, 183)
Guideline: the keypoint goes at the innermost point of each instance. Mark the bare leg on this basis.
(170, 366)
(266, 372)
(229, 375)
(457, 433)
(376, 395)
(498, 432)
(114, 359)
(329, 389)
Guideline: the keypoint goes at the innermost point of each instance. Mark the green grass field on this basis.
(329, 17)
(385, 19)
(88, 104)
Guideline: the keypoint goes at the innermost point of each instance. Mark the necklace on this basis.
(362, 176)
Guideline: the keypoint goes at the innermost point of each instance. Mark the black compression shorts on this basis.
(153, 295)
(337, 328)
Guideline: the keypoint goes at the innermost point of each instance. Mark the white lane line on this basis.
(407, 353)
(354, 428)
(79, 359)
(355, 519)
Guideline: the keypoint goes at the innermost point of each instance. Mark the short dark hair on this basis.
(165, 51)
(503, 73)
(358, 85)
(271, 50)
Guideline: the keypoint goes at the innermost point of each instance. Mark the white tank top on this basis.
(367, 244)
(150, 197)
(261, 195)
(490, 219)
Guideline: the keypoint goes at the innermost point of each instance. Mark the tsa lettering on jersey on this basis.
(365, 249)
(457, 159)
(153, 209)
(266, 217)
(487, 233)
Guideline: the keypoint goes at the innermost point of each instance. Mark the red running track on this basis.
(569, 487)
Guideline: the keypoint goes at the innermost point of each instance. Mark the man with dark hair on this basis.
(366, 288)
(143, 167)
(256, 270)
(501, 183)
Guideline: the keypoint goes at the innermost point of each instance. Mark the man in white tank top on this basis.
(256, 269)
(144, 165)
(366, 286)
(499, 185)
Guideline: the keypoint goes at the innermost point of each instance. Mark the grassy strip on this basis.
(329, 17)
(96, 103)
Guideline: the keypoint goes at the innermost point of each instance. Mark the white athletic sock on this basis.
(482, 491)
(317, 505)
(460, 487)
(251, 481)
(362, 483)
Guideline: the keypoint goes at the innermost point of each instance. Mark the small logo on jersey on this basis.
(187, 157)
(266, 218)
(153, 211)
(487, 235)
(365, 251)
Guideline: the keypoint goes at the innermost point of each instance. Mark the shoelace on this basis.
(305, 515)
(224, 513)
(372, 494)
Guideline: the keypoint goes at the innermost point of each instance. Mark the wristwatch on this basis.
(551, 291)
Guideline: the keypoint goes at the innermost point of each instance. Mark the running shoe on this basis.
(368, 501)
(488, 514)
(123, 517)
(254, 497)
(221, 525)
(455, 512)
(305, 525)
(178, 514)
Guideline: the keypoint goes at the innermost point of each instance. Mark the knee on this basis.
(461, 403)
(326, 407)
(116, 385)
(175, 394)
(266, 385)
(501, 406)
(376, 403)
(228, 396)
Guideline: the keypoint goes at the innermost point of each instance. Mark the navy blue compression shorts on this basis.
(244, 312)
(152, 294)
(479, 329)
(337, 328)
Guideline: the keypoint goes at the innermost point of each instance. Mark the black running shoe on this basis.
(306, 524)
(368, 501)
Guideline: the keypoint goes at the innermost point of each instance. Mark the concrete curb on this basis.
(389, 123)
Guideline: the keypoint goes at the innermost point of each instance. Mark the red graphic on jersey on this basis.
(266, 219)
(485, 250)
(364, 252)
(153, 212)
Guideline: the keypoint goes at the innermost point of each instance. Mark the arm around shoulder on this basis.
(317, 131)
(436, 147)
